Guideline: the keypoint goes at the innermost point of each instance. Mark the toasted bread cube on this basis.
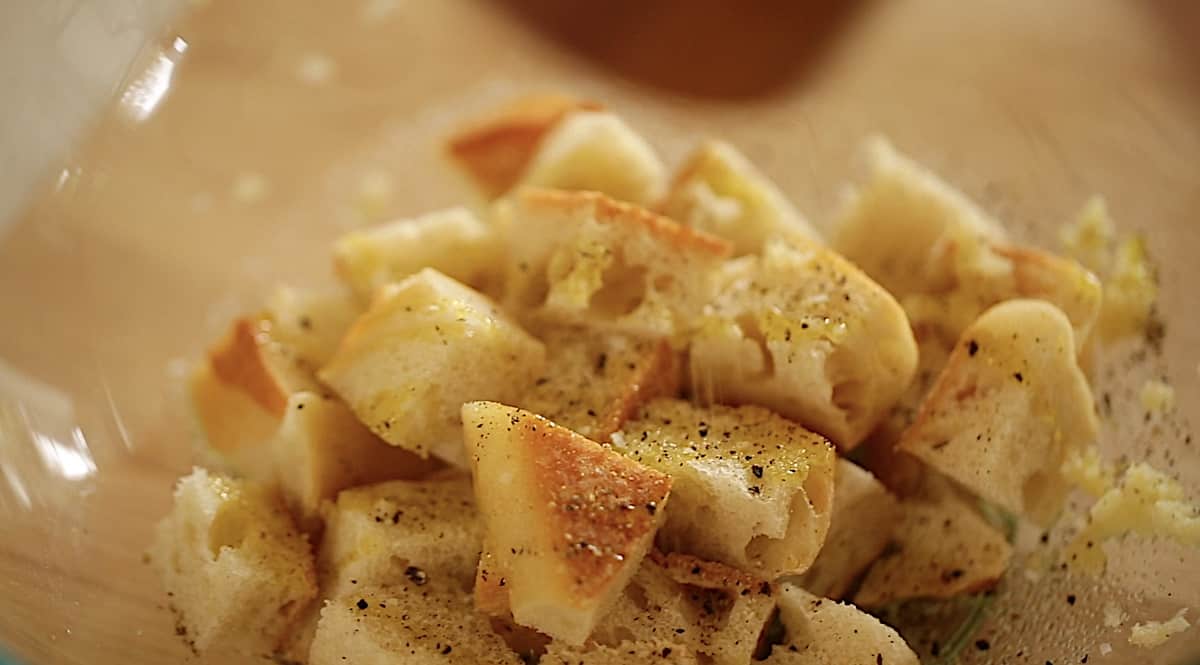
(596, 151)
(235, 566)
(419, 621)
(820, 631)
(889, 224)
(251, 359)
(944, 259)
(1010, 405)
(704, 607)
(567, 521)
(944, 548)
(425, 346)
(495, 149)
(234, 427)
(453, 241)
(311, 322)
(668, 653)
(860, 528)
(583, 258)
(803, 332)
(719, 191)
(388, 532)
(752, 489)
(321, 449)
(593, 382)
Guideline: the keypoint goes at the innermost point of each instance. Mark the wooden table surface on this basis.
(142, 247)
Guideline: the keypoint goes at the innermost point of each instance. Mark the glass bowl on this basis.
(249, 135)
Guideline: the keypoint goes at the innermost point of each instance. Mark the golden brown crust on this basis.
(694, 571)
(1063, 282)
(659, 376)
(491, 592)
(607, 210)
(496, 147)
(240, 359)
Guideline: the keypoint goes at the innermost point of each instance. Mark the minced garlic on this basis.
(1154, 633)
(1157, 396)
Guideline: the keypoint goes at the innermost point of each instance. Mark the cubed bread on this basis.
(944, 259)
(419, 621)
(820, 631)
(890, 223)
(596, 151)
(425, 346)
(751, 488)
(495, 148)
(453, 241)
(321, 449)
(311, 322)
(236, 568)
(583, 258)
(860, 528)
(625, 653)
(234, 428)
(567, 521)
(385, 533)
(719, 191)
(942, 548)
(593, 382)
(251, 359)
(802, 331)
(709, 609)
(1009, 406)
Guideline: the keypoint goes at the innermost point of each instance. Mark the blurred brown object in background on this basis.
(706, 48)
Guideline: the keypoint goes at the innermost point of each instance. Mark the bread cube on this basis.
(1010, 405)
(311, 322)
(452, 241)
(860, 528)
(820, 631)
(421, 621)
(751, 488)
(320, 449)
(593, 382)
(596, 151)
(583, 258)
(943, 548)
(252, 360)
(235, 429)
(890, 223)
(705, 608)
(237, 570)
(668, 653)
(944, 259)
(567, 521)
(803, 332)
(496, 148)
(425, 346)
(385, 533)
(719, 191)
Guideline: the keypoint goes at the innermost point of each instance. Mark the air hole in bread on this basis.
(228, 529)
(751, 330)
(622, 290)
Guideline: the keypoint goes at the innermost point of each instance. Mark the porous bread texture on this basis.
(820, 631)
(751, 488)
(803, 332)
(426, 345)
(583, 258)
(235, 567)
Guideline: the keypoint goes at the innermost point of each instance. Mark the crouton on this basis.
(583, 258)
(860, 528)
(237, 570)
(943, 548)
(751, 488)
(495, 149)
(320, 449)
(311, 322)
(422, 620)
(803, 332)
(820, 631)
(387, 532)
(567, 521)
(425, 346)
(593, 382)
(596, 151)
(1010, 405)
(453, 241)
(719, 191)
